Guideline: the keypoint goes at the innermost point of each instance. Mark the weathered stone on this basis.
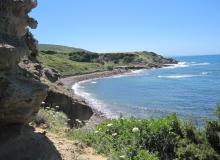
(52, 74)
(22, 81)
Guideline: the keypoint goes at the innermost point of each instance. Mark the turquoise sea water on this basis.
(191, 89)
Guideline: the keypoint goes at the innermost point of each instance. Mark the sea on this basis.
(191, 89)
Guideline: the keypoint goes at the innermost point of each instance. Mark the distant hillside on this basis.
(59, 48)
(74, 61)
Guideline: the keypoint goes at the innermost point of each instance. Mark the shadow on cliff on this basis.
(22, 143)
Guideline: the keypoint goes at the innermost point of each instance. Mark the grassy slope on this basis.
(58, 48)
(62, 63)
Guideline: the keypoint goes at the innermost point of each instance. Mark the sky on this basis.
(168, 27)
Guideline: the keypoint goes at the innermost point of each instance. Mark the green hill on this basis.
(73, 61)
(58, 48)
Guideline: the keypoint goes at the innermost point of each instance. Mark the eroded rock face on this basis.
(22, 81)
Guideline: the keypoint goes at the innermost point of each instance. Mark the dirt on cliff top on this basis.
(71, 150)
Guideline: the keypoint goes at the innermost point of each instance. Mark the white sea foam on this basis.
(185, 64)
(132, 73)
(178, 65)
(138, 71)
(205, 73)
(181, 76)
(178, 76)
(200, 64)
(91, 100)
(94, 82)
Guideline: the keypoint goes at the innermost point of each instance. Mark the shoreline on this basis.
(71, 80)
(98, 115)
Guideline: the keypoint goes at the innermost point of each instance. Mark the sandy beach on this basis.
(69, 81)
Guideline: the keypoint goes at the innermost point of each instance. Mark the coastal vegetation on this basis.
(72, 61)
(145, 139)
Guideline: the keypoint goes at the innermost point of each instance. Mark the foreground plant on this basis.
(162, 138)
(141, 139)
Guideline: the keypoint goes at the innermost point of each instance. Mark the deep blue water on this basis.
(191, 89)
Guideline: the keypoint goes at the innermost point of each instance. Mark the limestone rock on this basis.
(22, 81)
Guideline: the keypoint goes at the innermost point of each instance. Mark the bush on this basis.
(54, 120)
(162, 138)
(135, 138)
(49, 52)
(83, 57)
(196, 152)
(128, 59)
(110, 68)
(212, 131)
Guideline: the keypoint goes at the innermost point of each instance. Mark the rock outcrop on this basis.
(22, 81)
(74, 107)
(24, 84)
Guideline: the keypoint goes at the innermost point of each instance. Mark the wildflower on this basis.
(57, 107)
(135, 130)
(47, 107)
(109, 125)
(122, 157)
(114, 134)
(96, 131)
(78, 121)
(42, 102)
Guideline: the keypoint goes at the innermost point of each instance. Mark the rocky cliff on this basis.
(22, 81)
(24, 84)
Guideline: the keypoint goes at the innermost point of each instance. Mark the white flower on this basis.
(109, 125)
(114, 134)
(122, 157)
(96, 131)
(42, 102)
(135, 130)
(57, 107)
(77, 120)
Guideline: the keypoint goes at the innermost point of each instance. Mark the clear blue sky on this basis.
(169, 27)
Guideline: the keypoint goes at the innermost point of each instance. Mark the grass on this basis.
(54, 121)
(62, 64)
(73, 61)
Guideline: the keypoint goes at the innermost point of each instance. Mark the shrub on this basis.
(162, 138)
(128, 58)
(135, 138)
(40, 120)
(110, 68)
(55, 121)
(83, 57)
(196, 152)
(212, 130)
(49, 52)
